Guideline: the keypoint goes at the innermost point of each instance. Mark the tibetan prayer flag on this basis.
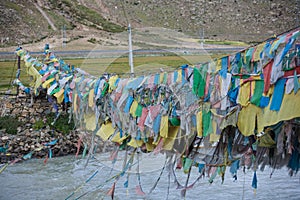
(91, 98)
(267, 75)
(164, 125)
(60, 95)
(199, 124)
(169, 141)
(278, 95)
(258, 91)
(206, 123)
(133, 108)
(254, 181)
(105, 131)
(224, 67)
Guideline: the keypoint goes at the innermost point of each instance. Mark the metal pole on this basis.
(18, 73)
(130, 51)
(201, 35)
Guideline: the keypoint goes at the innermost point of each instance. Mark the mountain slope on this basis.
(30, 21)
(221, 19)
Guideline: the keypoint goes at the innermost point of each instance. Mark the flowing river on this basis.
(69, 177)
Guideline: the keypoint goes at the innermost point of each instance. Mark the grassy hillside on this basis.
(22, 22)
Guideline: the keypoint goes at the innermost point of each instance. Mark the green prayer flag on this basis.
(55, 91)
(258, 91)
(187, 165)
(139, 110)
(199, 81)
(196, 81)
(203, 72)
(165, 78)
(174, 121)
(206, 123)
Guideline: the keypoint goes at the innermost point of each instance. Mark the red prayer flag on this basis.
(267, 75)
(112, 191)
(78, 146)
(139, 190)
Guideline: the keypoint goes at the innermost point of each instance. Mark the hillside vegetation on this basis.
(249, 21)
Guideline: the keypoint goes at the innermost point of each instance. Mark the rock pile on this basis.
(35, 142)
(28, 140)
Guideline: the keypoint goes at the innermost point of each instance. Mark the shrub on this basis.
(92, 40)
(38, 125)
(10, 124)
(62, 123)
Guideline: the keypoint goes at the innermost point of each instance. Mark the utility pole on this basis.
(18, 73)
(201, 34)
(130, 51)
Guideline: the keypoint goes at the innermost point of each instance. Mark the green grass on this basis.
(225, 42)
(59, 20)
(94, 17)
(61, 123)
(96, 66)
(13, 6)
(87, 16)
(10, 124)
(8, 74)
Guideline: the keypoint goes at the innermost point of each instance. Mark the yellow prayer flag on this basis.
(213, 137)
(91, 98)
(46, 83)
(119, 139)
(156, 142)
(135, 143)
(133, 108)
(112, 80)
(250, 115)
(244, 94)
(105, 131)
(247, 119)
(28, 64)
(199, 124)
(75, 102)
(161, 77)
(218, 65)
(60, 95)
(258, 50)
(179, 76)
(37, 78)
(150, 146)
(169, 141)
(90, 121)
(273, 45)
(164, 126)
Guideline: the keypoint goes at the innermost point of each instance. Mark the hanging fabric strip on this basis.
(278, 95)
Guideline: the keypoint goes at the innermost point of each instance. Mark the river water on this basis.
(62, 176)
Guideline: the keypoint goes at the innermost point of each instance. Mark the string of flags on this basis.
(229, 112)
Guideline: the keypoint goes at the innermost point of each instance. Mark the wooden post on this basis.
(18, 73)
